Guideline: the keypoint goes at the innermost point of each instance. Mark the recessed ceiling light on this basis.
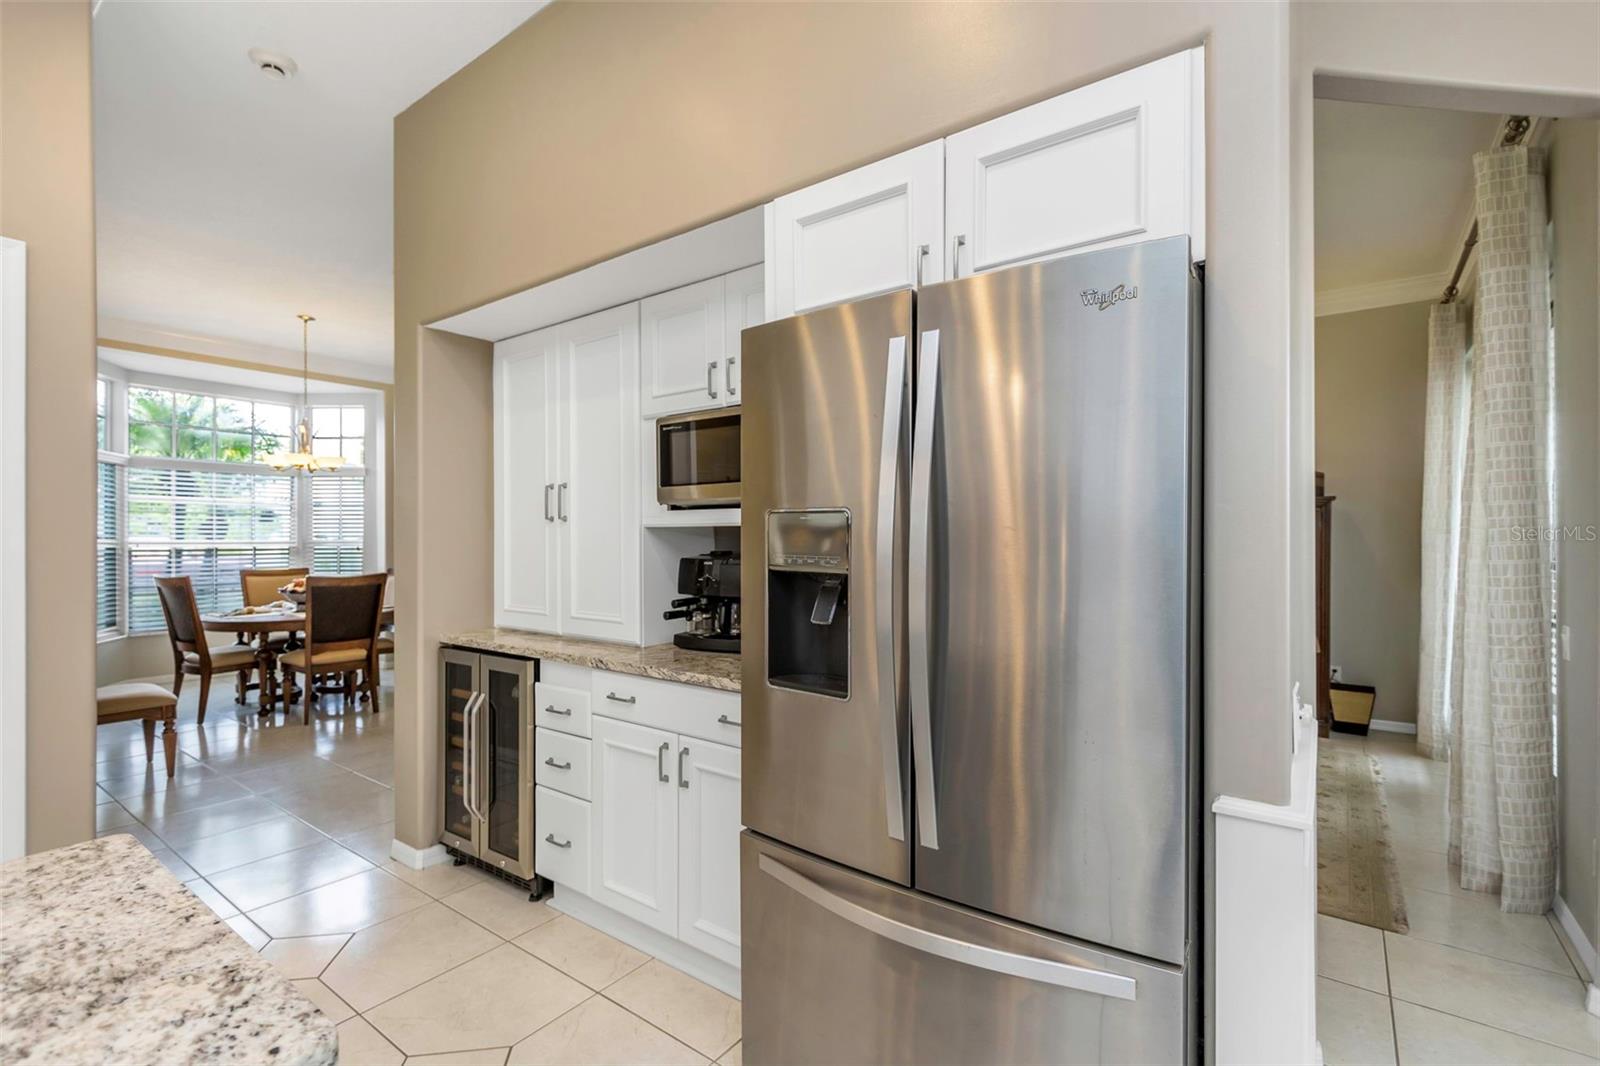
(275, 66)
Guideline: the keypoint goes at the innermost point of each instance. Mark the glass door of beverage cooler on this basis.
(459, 685)
(505, 798)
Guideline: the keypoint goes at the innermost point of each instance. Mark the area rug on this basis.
(1357, 877)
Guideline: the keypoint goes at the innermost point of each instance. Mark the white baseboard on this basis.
(1384, 725)
(673, 952)
(417, 858)
(1580, 942)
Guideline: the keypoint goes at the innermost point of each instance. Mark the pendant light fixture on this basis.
(301, 458)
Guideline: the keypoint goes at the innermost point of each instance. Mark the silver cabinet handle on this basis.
(955, 255)
(727, 373)
(549, 516)
(661, 761)
(917, 595)
(711, 379)
(558, 765)
(1027, 967)
(470, 722)
(683, 782)
(888, 496)
(922, 257)
(725, 720)
(565, 712)
(621, 699)
(550, 838)
(561, 501)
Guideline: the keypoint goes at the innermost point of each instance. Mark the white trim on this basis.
(13, 548)
(1580, 942)
(636, 934)
(1382, 294)
(1593, 1003)
(418, 858)
(1384, 725)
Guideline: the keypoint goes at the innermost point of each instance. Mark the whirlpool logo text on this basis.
(1101, 299)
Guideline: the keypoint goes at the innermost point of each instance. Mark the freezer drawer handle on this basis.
(917, 607)
(893, 445)
(558, 765)
(1028, 967)
(563, 711)
(550, 838)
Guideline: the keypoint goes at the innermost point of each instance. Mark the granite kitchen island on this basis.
(105, 957)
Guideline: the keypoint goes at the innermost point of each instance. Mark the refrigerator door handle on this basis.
(917, 595)
(995, 960)
(894, 391)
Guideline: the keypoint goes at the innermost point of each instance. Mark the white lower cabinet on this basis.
(650, 827)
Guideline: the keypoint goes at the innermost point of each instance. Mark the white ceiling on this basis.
(227, 202)
(1393, 190)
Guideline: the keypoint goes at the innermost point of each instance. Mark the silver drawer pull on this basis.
(725, 720)
(614, 698)
(550, 838)
(558, 765)
(565, 712)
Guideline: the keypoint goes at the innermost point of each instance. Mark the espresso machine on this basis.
(708, 591)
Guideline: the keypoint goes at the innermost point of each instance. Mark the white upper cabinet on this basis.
(599, 493)
(1111, 163)
(527, 390)
(744, 305)
(869, 231)
(682, 337)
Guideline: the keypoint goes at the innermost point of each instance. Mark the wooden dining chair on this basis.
(342, 619)
(259, 588)
(190, 652)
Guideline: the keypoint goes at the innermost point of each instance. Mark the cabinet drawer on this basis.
(706, 713)
(562, 708)
(562, 762)
(561, 847)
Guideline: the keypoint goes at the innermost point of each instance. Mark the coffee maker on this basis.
(708, 590)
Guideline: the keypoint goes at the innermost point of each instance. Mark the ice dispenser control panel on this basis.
(808, 601)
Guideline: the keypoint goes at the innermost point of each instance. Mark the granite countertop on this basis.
(665, 662)
(105, 957)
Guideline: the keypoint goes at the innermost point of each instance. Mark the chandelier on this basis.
(301, 458)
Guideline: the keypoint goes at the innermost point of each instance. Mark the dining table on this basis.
(259, 626)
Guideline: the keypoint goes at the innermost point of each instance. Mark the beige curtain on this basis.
(1502, 784)
(1444, 441)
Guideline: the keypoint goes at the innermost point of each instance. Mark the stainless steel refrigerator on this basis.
(971, 611)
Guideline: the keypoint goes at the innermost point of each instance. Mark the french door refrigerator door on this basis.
(1051, 615)
(825, 445)
(855, 970)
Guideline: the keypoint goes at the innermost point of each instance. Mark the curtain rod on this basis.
(1517, 127)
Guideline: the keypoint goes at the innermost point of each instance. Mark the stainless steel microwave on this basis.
(697, 459)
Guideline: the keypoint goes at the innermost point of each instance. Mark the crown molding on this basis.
(1382, 294)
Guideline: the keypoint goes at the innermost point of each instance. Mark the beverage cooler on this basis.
(486, 742)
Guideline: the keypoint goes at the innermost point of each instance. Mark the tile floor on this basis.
(1468, 984)
(284, 831)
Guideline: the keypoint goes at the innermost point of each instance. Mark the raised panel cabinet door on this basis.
(598, 493)
(1111, 163)
(681, 338)
(527, 392)
(635, 822)
(744, 304)
(708, 847)
(869, 231)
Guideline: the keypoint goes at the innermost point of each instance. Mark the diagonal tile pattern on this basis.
(285, 831)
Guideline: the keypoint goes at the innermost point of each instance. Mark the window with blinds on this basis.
(107, 578)
(338, 523)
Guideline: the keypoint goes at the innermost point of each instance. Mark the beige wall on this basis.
(47, 200)
(1372, 380)
(1575, 216)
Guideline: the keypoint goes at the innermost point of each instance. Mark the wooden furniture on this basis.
(148, 703)
(260, 627)
(343, 616)
(190, 652)
(1324, 541)
(259, 588)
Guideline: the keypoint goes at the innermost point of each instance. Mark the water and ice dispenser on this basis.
(808, 601)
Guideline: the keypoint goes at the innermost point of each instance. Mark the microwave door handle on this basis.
(893, 445)
(917, 607)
